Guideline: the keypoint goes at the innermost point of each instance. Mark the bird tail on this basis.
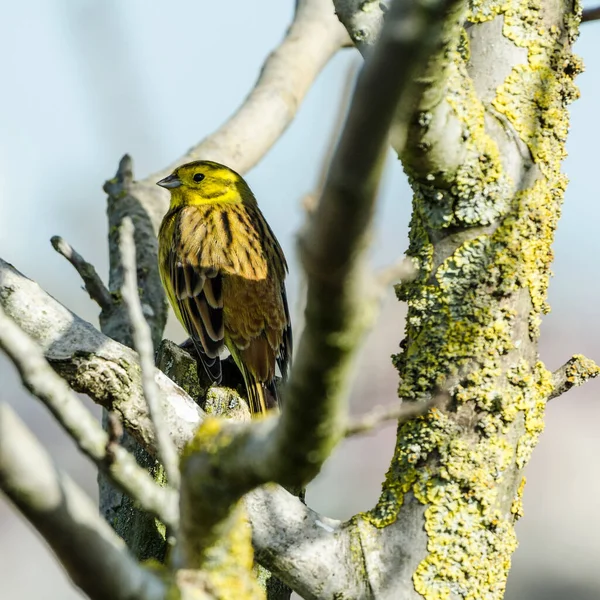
(254, 363)
(256, 397)
(261, 397)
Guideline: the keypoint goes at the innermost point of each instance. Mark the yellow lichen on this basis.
(465, 310)
(580, 369)
(207, 438)
(229, 567)
(478, 195)
(516, 508)
(226, 565)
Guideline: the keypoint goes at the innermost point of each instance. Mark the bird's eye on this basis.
(198, 177)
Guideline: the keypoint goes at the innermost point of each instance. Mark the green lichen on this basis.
(226, 402)
(225, 564)
(179, 366)
(482, 10)
(485, 255)
(116, 296)
(229, 567)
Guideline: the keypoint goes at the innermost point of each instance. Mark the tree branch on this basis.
(142, 341)
(312, 554)
(402, 413)
(95, 365)
(92, 281)
(575, 372)
(591, 14)
(39, 378)
(95, 558)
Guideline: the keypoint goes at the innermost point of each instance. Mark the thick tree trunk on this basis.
(484, 157)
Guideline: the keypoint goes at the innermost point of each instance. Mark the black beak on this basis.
(170, 182)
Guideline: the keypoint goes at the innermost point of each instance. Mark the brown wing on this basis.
(285, 349)
(199, 300)
(258, 333)
(284, 355)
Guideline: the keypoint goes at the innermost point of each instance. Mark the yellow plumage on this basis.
(223, 271)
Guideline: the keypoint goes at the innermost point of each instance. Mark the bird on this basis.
(224, 272)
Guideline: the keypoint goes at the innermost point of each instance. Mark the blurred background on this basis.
(86, 81)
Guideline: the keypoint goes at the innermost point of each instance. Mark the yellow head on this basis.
(206, 182)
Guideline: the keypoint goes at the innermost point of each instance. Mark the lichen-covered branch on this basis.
(575, 372)
(482, 235)
(80, 424)
(142, 204)
(95, 558)
(93, 364)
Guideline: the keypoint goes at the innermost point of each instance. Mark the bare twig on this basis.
(591, 14)
(402, 413)
(95, 558)
(142, 340)
(39, 378)
(314, 36)
(402, 271)
(92, 281)
(575, 372)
